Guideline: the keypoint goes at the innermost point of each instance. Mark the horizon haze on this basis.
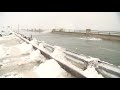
(104, 21)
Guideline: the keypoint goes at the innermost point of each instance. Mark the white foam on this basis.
(95, 39)
(92, 39)
(19, 49)
(49, 69)
(13, 51)
(34, 42)
(25, 48)
(9, 37)
(2, 51)
(89, 58)
(6, 61)
(11, 75)
(41, 46)
(90, 72)
(58, 53)
(36, 56)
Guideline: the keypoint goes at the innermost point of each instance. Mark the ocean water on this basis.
(105, 50)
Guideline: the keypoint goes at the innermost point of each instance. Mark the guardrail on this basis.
(106, 69)
(78, 63)
(77, 72)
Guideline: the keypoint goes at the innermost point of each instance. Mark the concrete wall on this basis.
(102, 36)
(107, 37)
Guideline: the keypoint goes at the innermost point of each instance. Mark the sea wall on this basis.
(102, 36)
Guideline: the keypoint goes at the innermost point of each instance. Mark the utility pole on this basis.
(18, 28)
(11, 27)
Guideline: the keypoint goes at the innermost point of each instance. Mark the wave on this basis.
(92, 39)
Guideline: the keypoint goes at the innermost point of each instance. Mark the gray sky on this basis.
(68, 20)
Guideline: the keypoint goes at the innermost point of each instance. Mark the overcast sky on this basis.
(69, 20)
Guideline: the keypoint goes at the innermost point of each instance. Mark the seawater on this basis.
(105, 50)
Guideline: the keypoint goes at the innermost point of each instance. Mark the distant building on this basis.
(53, 30)
(88, 31)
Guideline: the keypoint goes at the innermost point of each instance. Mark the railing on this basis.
(104, 68)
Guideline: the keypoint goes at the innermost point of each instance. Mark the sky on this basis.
(106, 21)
